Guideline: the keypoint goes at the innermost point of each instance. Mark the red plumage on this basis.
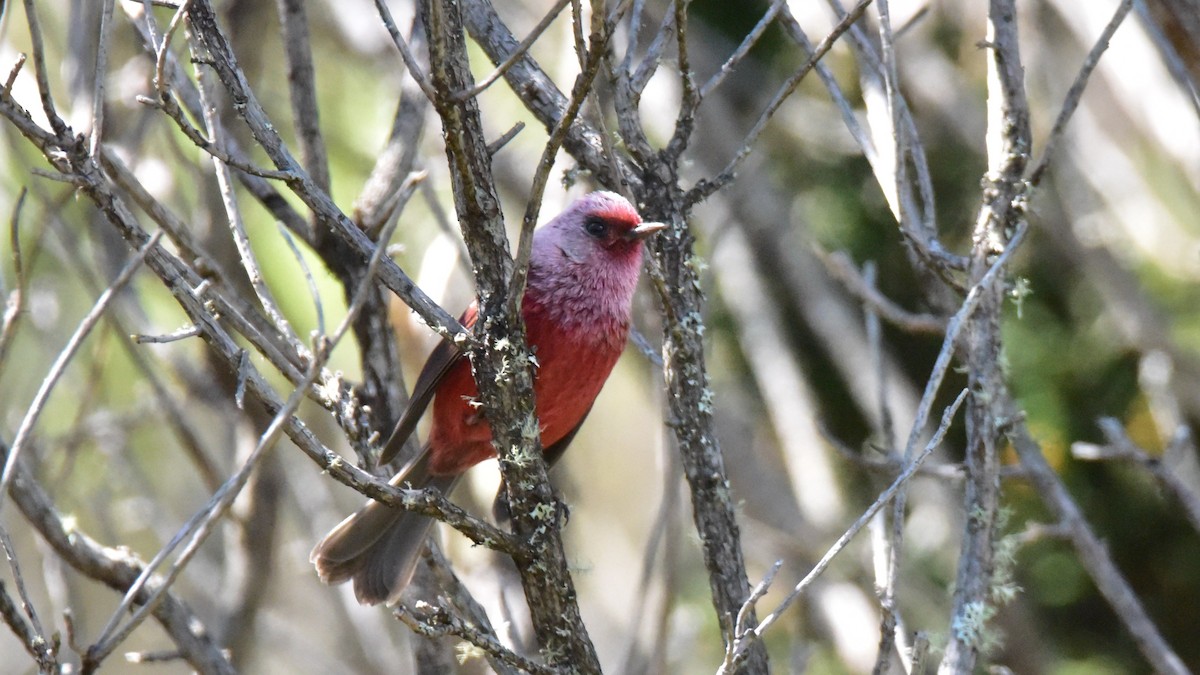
(583, 270)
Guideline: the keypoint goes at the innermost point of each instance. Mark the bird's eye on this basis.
(595, 226)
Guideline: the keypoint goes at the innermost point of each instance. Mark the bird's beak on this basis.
(644, 230)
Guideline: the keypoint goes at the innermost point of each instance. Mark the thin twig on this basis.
(706, 187)
(456, 596)
(1075, 93)
(742, 50)
(628, 92)
(579, 92)
(956, 325)
(207, 31)
(242, 316)
(756, 633)
(922, 233)
(162, 50)
(100, 75)
(410, 61)
(14, 304)
(33, 636)
(302, 90)
(377, 201)
(881, 542)
(182, 281)
(646, 69)
(1093, 552)
(309, 280)
(169, 106)
(689, 95)
(498, 144)
(577, 29)
(953, 328)
(150, 30)
(435, 621)
(39, 69)
(34, 411)
(1121, 447)
(841, 268)
(899, 150)
(237, 226)
(516, 55)
(202, 523)
(645, 348)
(741, 626)
(12, 74)
(541, 96)
(206, 466)
(115, 568)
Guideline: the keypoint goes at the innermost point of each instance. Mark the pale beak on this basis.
(644, 230)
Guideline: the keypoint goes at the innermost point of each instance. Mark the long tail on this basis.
(379, 547)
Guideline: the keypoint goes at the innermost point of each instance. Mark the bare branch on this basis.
(639, 78)
(1093, 554)
(1120, 447)
(742, 50)
(237, 226)
(435, 621)
(542, 97)
(1075, 93)
(207, 32)
(14, 304)
(313, 293)
(487, 81)
(39, 69)
(1002, 213)
(162, 51)
(501, 360)
(12, 74)
(100, 76)
(840, 267)
(675, 277)
(33, 637)
(302, 87)
(196, 531)
(34, 411)
(169, 106)
(706, 187)
(406, 55)
(579, 93)
(183, 283)
(734, 656)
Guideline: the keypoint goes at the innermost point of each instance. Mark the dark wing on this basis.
(443, 357)
(555, 452)
(552, 454)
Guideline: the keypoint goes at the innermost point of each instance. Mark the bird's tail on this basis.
(379, 546)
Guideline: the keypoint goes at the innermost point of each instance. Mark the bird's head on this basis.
(600, 226)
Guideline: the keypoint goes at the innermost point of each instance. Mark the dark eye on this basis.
(595, 226)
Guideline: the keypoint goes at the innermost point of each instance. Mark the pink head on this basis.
(585, 262)
(601, 226)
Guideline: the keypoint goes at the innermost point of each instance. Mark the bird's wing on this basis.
(443, 357)
(555, 452)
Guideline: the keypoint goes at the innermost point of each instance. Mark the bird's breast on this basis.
(572, 362)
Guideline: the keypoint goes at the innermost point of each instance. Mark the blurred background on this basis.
(1104, 323)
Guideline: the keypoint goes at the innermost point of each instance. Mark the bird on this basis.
(583, 270)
